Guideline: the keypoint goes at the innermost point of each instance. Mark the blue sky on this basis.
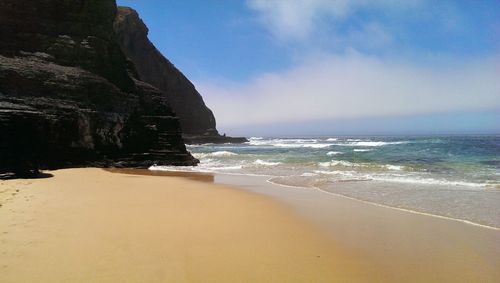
(319, 64)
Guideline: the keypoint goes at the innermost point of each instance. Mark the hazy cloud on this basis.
(299, 19)
(356, 86)
(330, 81)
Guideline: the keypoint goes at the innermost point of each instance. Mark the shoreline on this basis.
(393, 207)
(418, 242)
(464, 221)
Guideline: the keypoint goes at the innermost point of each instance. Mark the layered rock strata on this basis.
(70, 97)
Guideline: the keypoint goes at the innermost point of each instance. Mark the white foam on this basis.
(318, 145)
(362, 149)
(393, 177)
(302, 145)
(292, 143)
(330, 153)
(426, 181)
(223, 153)
(338, 163)
(265, 163)
(302, 140)
(308, 174)
(172, 168)
(370, 143)
(394, 167)
(332, 139)
(344, 163)
(236, 167)
(341, 173)
(258, 142)
(214, 154)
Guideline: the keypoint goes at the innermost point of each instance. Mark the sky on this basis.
(321, 67)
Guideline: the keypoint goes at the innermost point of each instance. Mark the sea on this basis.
(454, 177)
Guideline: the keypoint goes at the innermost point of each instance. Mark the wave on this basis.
(207, 168)
(426, 181)
(214, 154)
(362, 149)
(235, 167)
(301, 140)
(338, 163)
(265, 163)
(223, 153)
(371, 143)
(344, 163)
(342, 173)
(257, 142)
(398, 178)
(330, 153)
(302, 145)
(394, 167)
(308, 174)
(282, 142)
(171, 168)
(210, 165)
(313, 143)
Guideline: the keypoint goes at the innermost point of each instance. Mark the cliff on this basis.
(197, 120)
(70, 97)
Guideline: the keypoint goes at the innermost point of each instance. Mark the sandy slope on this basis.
(89, 225)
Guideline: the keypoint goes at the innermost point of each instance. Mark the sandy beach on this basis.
(92, 225)
(89, 225)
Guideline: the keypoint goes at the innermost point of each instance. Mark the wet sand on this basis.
(400, 246)
(90, 225)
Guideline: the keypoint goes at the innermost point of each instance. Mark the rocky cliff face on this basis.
(197, 120)
(70, 97)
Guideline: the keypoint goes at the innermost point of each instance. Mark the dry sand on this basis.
(89, 225)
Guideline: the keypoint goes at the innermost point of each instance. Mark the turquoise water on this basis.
(452, 176)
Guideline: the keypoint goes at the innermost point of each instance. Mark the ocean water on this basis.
(455, 177)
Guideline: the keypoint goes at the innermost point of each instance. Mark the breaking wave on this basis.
(214, 154)
(266, 163)
(371, 143)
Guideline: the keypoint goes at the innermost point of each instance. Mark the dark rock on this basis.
(197, 120)
(69, 96)
(73, 33)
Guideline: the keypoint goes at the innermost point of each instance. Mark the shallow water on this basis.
(452, 176)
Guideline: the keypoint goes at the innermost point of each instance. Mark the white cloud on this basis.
(350, 85)
(298, 19)
(356, 86)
